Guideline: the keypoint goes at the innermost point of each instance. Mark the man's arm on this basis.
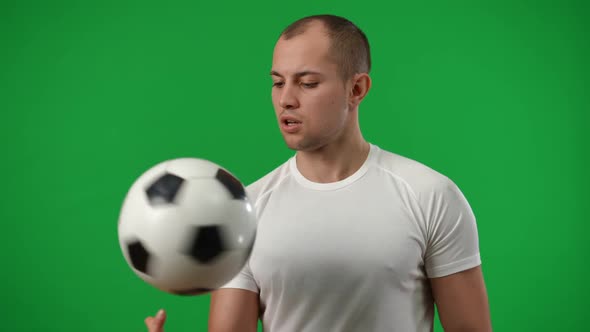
(233, 309)
(462, 301)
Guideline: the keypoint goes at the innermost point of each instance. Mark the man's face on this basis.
(308, 93)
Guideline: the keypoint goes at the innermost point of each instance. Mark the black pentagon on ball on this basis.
(207, 243)
(232, 184)
(138, 255)
(164, 189)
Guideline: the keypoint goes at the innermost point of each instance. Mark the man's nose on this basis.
(288, 97)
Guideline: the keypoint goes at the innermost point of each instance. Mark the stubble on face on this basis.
(323, 109)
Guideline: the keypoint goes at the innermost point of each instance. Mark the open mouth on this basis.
(291, 122)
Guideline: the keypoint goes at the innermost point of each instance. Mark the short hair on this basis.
(348, 44)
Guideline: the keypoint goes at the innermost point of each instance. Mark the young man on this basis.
(350, 237)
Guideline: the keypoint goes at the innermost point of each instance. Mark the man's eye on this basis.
(309, 85)
(278, 84)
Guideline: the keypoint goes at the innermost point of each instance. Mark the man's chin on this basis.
(301, 145)
(292, 144)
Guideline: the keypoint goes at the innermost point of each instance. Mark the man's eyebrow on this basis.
(298, 74)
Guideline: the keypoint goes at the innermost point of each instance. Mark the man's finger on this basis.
(160, 317)
(156, 324)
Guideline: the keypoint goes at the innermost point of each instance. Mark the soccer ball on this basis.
(186, 226)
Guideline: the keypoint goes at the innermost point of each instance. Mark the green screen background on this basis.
(493, 94)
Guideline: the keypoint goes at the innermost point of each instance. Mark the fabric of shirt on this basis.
(356, 255)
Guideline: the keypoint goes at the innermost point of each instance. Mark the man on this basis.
(350, 237)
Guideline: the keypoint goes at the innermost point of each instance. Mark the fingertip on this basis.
(161, 313)
(160, 318)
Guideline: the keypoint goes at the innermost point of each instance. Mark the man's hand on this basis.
(156, 324)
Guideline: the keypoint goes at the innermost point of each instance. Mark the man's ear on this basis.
(361, 83)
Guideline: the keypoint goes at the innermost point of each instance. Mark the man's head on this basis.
(320, 75)
(349, 47)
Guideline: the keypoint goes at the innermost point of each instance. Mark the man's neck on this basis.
(333, 162)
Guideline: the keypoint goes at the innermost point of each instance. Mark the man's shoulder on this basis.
(418, 176)
(269, 181)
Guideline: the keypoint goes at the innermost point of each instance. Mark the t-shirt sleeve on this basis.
(243, 280)
(452, 238)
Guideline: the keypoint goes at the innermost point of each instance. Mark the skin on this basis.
(308, 86)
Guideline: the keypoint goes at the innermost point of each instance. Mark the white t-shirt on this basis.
(356, 255)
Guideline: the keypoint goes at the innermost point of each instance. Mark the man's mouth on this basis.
(290, 125)
(291, 122)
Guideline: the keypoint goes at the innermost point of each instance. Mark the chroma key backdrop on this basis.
(493, 94)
